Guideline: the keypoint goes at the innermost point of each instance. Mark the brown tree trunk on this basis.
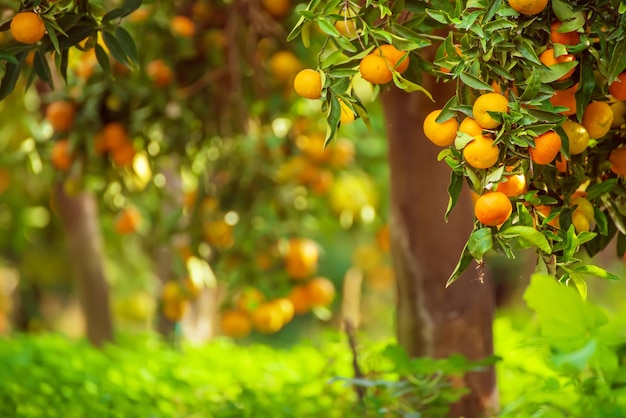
(433, 320)
(79, 216)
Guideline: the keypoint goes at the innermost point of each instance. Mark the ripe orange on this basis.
(171, 292)
(321, 291)
(128, 221)
(267, 318)
(547, 146)
(470, 127)
(393, 56)
(62, 155)
(160, 73)
(481, 152)
(235, 324)
(618, 161)
(375, 69)
(27, 27)
(493, 208)
(277, 8)
(301, 258)
(60, 115)
(565, 38)
(113, 136)
(577, 135)
(308, 83)
(183, 26)
(299, 297)
(512, 185)
(284, 65)
(123, 155)
(566, 98)
(618, 87)
(597, 119)
(285, 306)
(489, 102)
(442, 134)
(548, 58)
(528, 7)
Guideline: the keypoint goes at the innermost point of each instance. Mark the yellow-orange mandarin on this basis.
(481, 152)
(547, 146)
(493, 208)
(442, 134)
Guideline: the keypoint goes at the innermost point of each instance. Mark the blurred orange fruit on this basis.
(128, 220)
(61, 156)
(301, 258)
(60, 115)
(321, 291)
(235, 323)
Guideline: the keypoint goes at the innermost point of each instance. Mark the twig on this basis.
(358, 374)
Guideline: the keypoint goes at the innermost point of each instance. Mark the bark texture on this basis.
(433, 320)
(79, 217)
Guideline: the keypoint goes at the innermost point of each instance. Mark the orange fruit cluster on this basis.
(378, 67)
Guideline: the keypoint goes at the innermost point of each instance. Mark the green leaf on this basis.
(474, 82)
(454, 191)
(480, 242)
(577, 360)
(528, 234)
(115, 48)
(128, 44)
(566, 321)
(464, 262)
(42, 68)
(11, 75)
(580, 283)
(409, 86)
(327, 27)
(332, 120)
(596, 272)
(103, 59)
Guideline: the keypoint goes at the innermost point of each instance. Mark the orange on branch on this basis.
(512, 185)
(489, 102)
(60, 115)
(235, 324)
(277, 8)
(565, 38)
(375, 69)
(160, 73)
(267, 318)
(27, 27)
(61, 156)
(528, 7)
(493, 208)
(548, 58)
(481, 152)
(470, 127)
(597, 119)
(577, 136)
(123, 155)
(284, 65)
(286, 308)
(393, 57)
(301, 258)
(128, 221)
(565, 98)
(547, 146)
(308, 84)
(618, 161)
(617, 88)
(321, 291)
(441, 134)
(183, 26)
(299, 297)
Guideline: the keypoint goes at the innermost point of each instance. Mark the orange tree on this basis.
(189, 154)
(535, 127)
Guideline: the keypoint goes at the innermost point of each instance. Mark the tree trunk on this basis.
(79, 216)
(432, 320)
